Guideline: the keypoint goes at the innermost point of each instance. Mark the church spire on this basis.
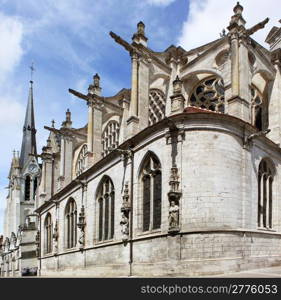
(28, 140)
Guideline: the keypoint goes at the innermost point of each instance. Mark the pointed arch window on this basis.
(71, 224)
(81, 160)
(35, 184)
(27, 188)
(157, 105)
(151, 190)
(265, 184)
(110, 137)
(209, 94)
(105, 199)
(48, 233)
(257, 108)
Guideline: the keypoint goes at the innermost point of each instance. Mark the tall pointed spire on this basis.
(29, 132)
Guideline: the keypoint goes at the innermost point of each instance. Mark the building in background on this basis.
(177, 176)
(18, 243)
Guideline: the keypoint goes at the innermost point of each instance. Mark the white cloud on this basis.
(160, 2)
(11, 34)
(11, 121)
(207, 18)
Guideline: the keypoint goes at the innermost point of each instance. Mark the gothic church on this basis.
(177, 176)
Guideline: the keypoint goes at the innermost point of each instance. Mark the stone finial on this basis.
(94, 88)
(141, 28)
(139, 37)
(68, 115)
(177, 85)
(96, 80)
(238, 9)
(49, 142)
(67, 123)
(53, 123)
(177, 99)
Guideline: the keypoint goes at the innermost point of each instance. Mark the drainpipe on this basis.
(39, 257)
(131, 212)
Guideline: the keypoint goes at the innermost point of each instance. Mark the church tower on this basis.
(24, 175)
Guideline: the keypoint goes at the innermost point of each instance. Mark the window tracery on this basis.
(265, 183)
(110, 137)
(156, 109)
(105, 198)
(209, 94)
(151, 182)
(82, 160)
(48, 233)
(71, 224)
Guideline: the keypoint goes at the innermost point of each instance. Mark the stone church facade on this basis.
(177, 176)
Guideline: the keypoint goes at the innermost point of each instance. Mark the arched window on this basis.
(81, 160)
(71, 223)
(105, 198)
(35, 184)
(110, 137)
(265, 182)
(209, 94)
(27, 188)
(257, 108)
(151, 183)
(48, 233)
(156, 108)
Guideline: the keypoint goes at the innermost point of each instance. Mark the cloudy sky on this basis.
(68, 42)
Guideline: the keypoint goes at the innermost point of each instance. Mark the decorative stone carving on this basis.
(125, 210)
(56, 237)
(126, 206)
(173, 216)
(19, 236)
(81, 225)
(7, 245)
(174, 196)
(124, 226)
(13, 241)
(37, 243)
(177, 99)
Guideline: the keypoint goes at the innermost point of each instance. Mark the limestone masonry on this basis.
(179, 175)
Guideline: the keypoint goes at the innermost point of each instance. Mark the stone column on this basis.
(62, 157)
(143, 92)
(133, 120)
(274, 108)
(90, 127)
(68, 158)
(97, 131)
(134, 86)
(234, 65)
(239, 103)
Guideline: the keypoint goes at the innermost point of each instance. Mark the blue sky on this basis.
(68, 42)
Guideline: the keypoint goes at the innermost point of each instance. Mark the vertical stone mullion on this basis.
(103, 216)
(261, 200)
(109, 213)
(264, 200)
(267, 203)
(151, 201)
(270, 180)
